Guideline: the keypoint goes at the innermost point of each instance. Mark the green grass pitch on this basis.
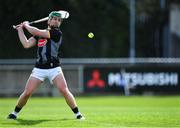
(101, 111)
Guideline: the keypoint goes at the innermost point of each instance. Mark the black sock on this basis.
(75, 110)
(17, 109)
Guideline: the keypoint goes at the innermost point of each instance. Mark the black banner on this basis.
(135, 79)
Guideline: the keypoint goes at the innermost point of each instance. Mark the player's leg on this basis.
(31, 86)
(61, 84)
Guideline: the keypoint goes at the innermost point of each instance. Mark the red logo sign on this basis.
(96, 80)
(42, 42)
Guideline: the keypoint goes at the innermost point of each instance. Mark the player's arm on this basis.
(35, 31)
(27, 43)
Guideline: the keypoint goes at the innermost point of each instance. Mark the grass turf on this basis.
(107, 111)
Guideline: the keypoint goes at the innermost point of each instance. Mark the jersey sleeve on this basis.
(55, 35)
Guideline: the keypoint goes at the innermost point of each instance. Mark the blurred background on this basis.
(135, 50)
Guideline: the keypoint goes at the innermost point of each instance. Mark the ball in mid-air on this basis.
(90, 35)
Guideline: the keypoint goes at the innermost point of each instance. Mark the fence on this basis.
(102, 76)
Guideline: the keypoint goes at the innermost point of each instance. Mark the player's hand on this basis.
(26, 23)
(19, 26)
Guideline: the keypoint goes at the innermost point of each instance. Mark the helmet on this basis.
(55, 13)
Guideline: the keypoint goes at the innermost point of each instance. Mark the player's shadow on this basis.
(34, 122)
(30, 122)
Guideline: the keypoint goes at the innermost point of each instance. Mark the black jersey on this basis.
(47, 52)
